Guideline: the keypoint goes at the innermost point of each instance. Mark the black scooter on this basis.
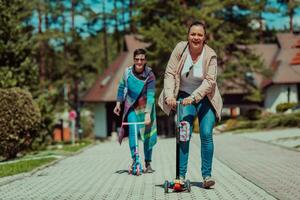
(182, 135)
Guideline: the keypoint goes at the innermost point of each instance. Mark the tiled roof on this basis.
(296, 59)
(283, 60)
(105, 87)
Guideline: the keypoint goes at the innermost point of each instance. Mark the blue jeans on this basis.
(131, 117)
(207, 119)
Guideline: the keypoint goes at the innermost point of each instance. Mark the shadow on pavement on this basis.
(200, 185)
(197, 184)
(121, 171)
(160, 185)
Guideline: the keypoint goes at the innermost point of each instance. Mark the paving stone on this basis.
(270, 167)
(100, 172)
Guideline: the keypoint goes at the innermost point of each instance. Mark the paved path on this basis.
(100, 173)
(284, 137)
(271, 167)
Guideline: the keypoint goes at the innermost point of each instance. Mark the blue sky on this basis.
(273, 21)
(278, 21)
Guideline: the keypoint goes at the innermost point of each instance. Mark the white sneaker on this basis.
(208, 182)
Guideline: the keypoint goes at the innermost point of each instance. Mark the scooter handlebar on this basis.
(132, 123)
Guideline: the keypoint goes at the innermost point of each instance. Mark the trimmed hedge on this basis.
(19, 121)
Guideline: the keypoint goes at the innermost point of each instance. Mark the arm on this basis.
(169, 80)
(121, 89)
(120, 95)
(150, 92)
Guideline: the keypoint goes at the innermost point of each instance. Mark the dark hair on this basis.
(139, 52)
(198, 23)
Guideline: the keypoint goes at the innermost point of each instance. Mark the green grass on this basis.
(75, 147)
(22, 166)
(35, 159)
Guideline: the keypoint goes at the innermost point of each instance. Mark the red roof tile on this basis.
(296, 59)
(284, 63)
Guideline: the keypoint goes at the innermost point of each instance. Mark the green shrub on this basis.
(87, 122)
(254, 113)
(246, 125)
(267, 122)
(46, 105)
(290, 120)
(282, 107)
(19, 122)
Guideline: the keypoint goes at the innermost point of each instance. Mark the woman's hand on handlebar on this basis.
(171, 101)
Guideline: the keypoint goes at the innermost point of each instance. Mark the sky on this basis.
(277, 21)
(272, 20)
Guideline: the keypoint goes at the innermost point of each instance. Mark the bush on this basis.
(254, 113)
(46, 105)
(230, 124)
(19, 122)
(267, 122)
(87, 122)
(282, 107)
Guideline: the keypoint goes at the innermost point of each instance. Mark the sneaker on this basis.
(148, 168)
(208, 182)
(181, 180)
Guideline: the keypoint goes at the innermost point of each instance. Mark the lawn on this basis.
(22, 166)
(36, 159)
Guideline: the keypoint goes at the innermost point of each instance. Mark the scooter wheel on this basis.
(188, 185)
(166, 186)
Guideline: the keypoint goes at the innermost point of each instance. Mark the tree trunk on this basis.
(105, 35)
(291, 22)
(73, 17)
(261, 33)
(42, 48)
(131, 7)
(117, 33)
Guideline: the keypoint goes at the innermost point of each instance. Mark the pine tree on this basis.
(291, 6)
(164, 23)
(17, 66)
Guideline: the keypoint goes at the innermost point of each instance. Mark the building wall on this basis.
(277, 94)
(100, 126)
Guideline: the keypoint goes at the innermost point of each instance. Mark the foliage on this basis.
(87, 122)
(254, 113)
(268, 122)
(19, 122)
(164, 23)
(17, 65)
(47, 101)
(282, 107)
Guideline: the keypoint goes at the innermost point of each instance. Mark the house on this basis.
(102, 95)
(283, 59)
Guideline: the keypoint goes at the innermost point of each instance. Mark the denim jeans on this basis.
(207, 119)
(131, 117)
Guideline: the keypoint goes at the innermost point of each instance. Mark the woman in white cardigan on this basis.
(191, 76)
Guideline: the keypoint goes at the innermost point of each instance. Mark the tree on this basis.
(164, 23)
(257, 10)
(291, 6)
(19, 122)
(17, 65)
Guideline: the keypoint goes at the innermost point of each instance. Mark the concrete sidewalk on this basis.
(100, 172)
